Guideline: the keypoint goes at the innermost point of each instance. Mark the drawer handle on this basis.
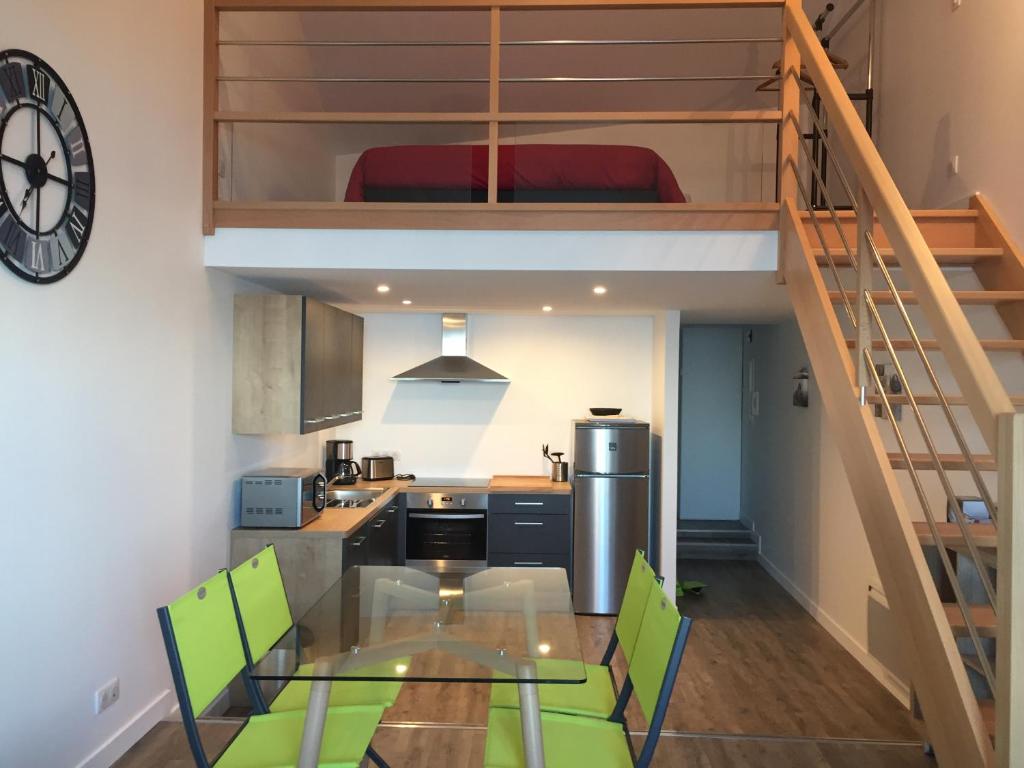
(528, 503)
(527, 562)
(520, 522)
(379, 523)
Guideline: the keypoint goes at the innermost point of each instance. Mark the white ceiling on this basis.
(701, 296)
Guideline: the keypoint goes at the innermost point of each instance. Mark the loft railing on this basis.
(957, 727)
(752, 214)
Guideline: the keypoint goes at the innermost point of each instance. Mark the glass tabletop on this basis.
(500, 625)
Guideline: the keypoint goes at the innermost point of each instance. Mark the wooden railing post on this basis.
(789, 125)
(865, 269)
(1010, 640)
(211, 63)
(494, 87)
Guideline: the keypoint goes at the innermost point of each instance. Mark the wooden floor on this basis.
(762, 684)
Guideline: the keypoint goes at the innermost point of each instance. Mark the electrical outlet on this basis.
(107, 696)
(954, 165)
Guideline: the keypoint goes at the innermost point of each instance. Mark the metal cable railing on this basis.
(933, 378)
(947, 565)
(866, 257)
(828, 251)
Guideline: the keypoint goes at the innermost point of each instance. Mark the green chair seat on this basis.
(272, 741)
(569, 742)
(594, 698)
(344, 693)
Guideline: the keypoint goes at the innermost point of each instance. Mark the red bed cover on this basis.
(520, 166)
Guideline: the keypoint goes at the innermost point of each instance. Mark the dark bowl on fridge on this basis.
(605, 411)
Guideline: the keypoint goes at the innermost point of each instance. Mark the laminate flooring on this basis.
(761, 684)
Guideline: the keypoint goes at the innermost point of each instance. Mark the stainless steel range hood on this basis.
(454, 365)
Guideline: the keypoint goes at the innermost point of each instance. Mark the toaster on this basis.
(378, 467)
(282, 498)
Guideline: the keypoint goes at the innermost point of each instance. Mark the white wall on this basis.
(710, 404)
(944, 82)
(665, 437)
(796, 494)
(558, 367)
(117, 463)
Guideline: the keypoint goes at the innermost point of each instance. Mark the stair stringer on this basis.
(953, 718)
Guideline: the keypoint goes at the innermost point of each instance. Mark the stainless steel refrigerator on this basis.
(611, 499)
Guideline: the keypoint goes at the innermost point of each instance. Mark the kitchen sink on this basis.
(351, 499)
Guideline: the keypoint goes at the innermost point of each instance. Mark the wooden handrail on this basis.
(466, 118)
(984, 392)
(443, 5)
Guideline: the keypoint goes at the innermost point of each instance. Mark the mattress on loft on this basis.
(526, 173)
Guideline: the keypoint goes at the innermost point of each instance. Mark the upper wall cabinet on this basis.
(298, 365)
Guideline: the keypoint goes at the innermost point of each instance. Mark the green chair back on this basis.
(205, 633)
(653, 651)
(634, 602)
(262, 603)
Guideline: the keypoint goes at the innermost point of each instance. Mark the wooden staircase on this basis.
(849, 273)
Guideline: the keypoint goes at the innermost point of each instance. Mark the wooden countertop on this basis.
(344, 522)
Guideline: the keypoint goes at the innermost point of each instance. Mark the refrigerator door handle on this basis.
(627, 475)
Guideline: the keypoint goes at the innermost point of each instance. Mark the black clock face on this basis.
(47, 191)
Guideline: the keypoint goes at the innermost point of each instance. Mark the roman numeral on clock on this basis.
(39, 83)
(37, 256)
(76, 225)
(12, 81)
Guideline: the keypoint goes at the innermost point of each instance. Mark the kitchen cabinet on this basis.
(375, 542)
(529, 530)
(298, 365)
(384, 537)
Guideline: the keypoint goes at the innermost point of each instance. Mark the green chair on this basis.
(570, 741)
(204, 648)
(597, 696)
(264, 618)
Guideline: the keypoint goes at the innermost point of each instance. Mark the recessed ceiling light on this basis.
(407, 302)
(383, 288)
(545, 308)
(600, 290)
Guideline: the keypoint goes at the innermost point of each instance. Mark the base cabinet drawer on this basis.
(549, 534)
(528, 503)
(513, 560)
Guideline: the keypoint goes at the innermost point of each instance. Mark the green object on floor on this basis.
(595, 697)
(266, 617)
(690, 587)
(204, 648)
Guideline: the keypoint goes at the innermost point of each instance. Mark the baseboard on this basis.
(114, 747)
(879, 671)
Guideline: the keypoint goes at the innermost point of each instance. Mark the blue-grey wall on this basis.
(711, 422)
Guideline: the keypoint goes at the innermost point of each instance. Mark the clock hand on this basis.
(24, 199)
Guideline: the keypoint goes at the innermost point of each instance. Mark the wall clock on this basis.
(47, 191)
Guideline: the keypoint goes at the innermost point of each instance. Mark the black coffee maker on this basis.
(340, 467)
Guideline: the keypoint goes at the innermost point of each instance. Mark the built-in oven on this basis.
(446, 532)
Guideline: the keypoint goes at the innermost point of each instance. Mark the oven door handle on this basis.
(429, 516)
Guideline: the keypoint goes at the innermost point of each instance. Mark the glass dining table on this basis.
(501, 626)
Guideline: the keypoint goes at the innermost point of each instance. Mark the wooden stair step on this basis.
(902, 345)
(982, 534)
(963, 297)
(983, 616)
(1017, 400)
(952, 461)
(946, 257)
